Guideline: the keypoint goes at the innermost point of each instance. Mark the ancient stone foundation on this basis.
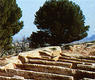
(41, 68)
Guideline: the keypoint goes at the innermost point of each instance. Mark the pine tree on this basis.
(63, 19)
(10, 24)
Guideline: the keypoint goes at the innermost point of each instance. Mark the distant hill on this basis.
(92, 38)
(87, 39)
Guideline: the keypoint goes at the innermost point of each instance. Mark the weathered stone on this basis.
(86, 67)
(13, 78)
(46, 69)
(76, 59)
(80, 74)
(9, 78)
(47, 64)
(55, 63)
(22, 59)
(37, 75)
(87, 79)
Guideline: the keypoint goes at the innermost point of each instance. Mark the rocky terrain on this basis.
(73, 62)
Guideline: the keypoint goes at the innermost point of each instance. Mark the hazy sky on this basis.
(29, 7)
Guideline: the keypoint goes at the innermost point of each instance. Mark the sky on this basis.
(29, 8)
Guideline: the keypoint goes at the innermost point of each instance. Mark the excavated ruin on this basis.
(48, 64)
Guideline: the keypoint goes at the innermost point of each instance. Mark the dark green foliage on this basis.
(10, 14)
(38, 39)
(63, 20)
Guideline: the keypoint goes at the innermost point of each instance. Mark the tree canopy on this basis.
(10, 23)
(63, 19)
(39, 39)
